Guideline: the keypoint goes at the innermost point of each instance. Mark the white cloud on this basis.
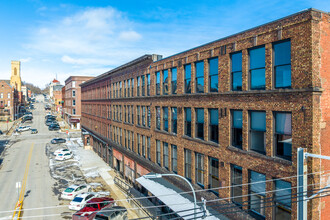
(129, 36)
(83, 61)
(91, 32)
(25, 60)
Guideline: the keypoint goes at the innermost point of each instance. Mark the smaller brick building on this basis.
(72, 99)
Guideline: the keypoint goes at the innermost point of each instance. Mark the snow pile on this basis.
(91, 172)
(95, 185)
(80, 142)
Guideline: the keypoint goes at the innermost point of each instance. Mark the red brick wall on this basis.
(310, 70)
(325, 107)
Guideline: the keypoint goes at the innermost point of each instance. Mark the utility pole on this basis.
(302, 182)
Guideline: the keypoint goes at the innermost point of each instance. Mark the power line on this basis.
(220, 199)
(173, 204)
(263, 207)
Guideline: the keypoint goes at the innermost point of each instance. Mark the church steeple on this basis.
(15, 79)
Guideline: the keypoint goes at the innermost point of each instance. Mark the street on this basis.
(39, 186)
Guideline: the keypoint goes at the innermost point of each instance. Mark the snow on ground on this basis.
(75, 145)
(90, 172)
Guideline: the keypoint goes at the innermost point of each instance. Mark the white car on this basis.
(64, 156)
(81, 199)
(73, 190)
(61, 151)
(23, 128)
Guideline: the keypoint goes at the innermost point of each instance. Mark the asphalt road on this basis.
(39, 188)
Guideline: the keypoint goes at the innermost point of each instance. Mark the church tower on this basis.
(15, 79)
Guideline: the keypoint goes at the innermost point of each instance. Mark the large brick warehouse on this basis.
(230, 113)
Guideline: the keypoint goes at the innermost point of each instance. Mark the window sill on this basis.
(261, 156)
(144, 127)
(165, 132)
(116, 121)
(126, 123)
(201, 141)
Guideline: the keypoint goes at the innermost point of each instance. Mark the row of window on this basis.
(257, 185)
(126, 88)
(257, 64)
(143, 145)
(166, 80)
(166, 156)
(8, 95)
(257, 126)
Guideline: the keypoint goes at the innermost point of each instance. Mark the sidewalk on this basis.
(4, 125)
(91, 162)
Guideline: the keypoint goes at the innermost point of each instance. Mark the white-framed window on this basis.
(73, 111)
(73, 93)
(73, 83)
(8, 103)
(8, 95)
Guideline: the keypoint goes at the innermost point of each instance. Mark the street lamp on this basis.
(160, 175)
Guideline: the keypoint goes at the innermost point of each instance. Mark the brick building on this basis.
(57, 96)
(8, 101)
(72, 109)
(227, 113)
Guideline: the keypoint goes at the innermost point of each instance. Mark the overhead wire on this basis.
(222, 213)
(185, 192)
(147, 197)
(223, 206)
(246, 210)
(159, 206)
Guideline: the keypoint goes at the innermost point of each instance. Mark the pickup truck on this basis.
(92, 207)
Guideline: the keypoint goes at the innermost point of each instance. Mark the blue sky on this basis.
(89, 37)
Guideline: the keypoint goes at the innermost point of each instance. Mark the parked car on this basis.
(64, 156)
(34, 131)
(73, 190)
(61, 151)
(50, 116)
(23, 128)
(50, 121)
(58, 140)
(81, 199)
(27, 116)
(27, 121)
(54, 128)
(113, 213)
(91, 208)
(54, 123)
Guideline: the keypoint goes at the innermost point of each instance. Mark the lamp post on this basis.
(160, 175)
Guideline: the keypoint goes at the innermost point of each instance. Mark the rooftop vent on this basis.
(156, 57)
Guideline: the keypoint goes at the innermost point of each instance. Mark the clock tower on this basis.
(15, 79)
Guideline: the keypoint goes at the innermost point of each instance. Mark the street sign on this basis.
(18, 185)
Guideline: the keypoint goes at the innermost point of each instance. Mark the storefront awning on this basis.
(74, 120)
(169, 195)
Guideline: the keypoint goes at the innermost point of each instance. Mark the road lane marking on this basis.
(19, 204)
